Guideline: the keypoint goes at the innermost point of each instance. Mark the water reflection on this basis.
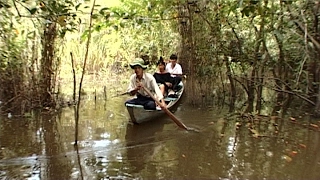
(56, 166)
(141, 144)
(109, 147)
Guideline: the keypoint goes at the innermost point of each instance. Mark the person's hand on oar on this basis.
(139, 85)
(177, 121)
(162, 104)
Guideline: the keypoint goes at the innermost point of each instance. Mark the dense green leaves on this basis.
(257, 38)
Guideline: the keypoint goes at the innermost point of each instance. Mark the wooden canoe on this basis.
(138, 114)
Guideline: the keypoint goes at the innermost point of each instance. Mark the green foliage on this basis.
(249, 34)
(122, 32)
(10, 45)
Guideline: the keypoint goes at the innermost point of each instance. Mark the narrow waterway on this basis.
(109, 148)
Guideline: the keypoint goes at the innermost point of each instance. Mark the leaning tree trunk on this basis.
(46, 69)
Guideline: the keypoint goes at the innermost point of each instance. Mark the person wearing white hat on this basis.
(142, 79)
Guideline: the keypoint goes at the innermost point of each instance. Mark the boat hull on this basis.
(138, 114)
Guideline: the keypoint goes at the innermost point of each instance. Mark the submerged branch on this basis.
(296, 94)
(277, 89)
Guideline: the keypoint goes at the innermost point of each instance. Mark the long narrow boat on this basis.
(139, 114)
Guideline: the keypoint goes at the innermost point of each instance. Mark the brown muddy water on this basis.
(109, 148)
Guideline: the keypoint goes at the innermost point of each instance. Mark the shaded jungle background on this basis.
(253, 56)
(256, 59)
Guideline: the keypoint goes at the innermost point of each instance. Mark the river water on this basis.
(237, 147)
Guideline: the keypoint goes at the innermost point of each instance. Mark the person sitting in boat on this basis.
(162, 77)
(175, 70)
(141, 80)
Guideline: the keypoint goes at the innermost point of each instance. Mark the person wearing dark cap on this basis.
(142, 79)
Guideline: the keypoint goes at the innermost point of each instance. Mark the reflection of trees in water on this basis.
(122, 163)
(310, 165)
(221, 151)
(278, 153)
(36, 148)
(56, 166)
(276, 149)
(141, 143)
(201, 156)
(18, 139)
(253, 157)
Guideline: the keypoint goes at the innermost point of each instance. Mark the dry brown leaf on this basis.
(257, 118)
(293, 153)
(287, 158)
(314, 125)
(287, 150)
(302, 145)
(254, 132)
(238, 125)
(273, 118)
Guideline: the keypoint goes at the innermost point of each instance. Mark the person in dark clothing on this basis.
(163, 77)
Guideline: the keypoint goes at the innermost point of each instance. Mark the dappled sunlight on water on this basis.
(110, 147)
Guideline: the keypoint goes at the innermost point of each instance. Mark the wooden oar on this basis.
(176, 120)
(125, 93)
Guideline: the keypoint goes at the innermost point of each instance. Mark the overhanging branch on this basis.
(314, 41)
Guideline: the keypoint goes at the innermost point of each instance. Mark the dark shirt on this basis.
(163, 78)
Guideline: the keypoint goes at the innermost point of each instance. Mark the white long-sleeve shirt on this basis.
(176, 70)
(149, 82)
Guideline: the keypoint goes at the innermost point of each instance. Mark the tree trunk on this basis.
(232, 86)
(251, 87)
(316, 73)
(187, 51)
(279, 70)
(46, 70)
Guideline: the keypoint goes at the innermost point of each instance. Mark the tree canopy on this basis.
(245, 52)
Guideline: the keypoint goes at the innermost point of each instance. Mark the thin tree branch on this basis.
(15, 6)
(315, 42)
(83, 72)
(74, 78)
(296, 94)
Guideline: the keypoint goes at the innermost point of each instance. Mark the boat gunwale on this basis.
(167, 99)
(148, 114)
